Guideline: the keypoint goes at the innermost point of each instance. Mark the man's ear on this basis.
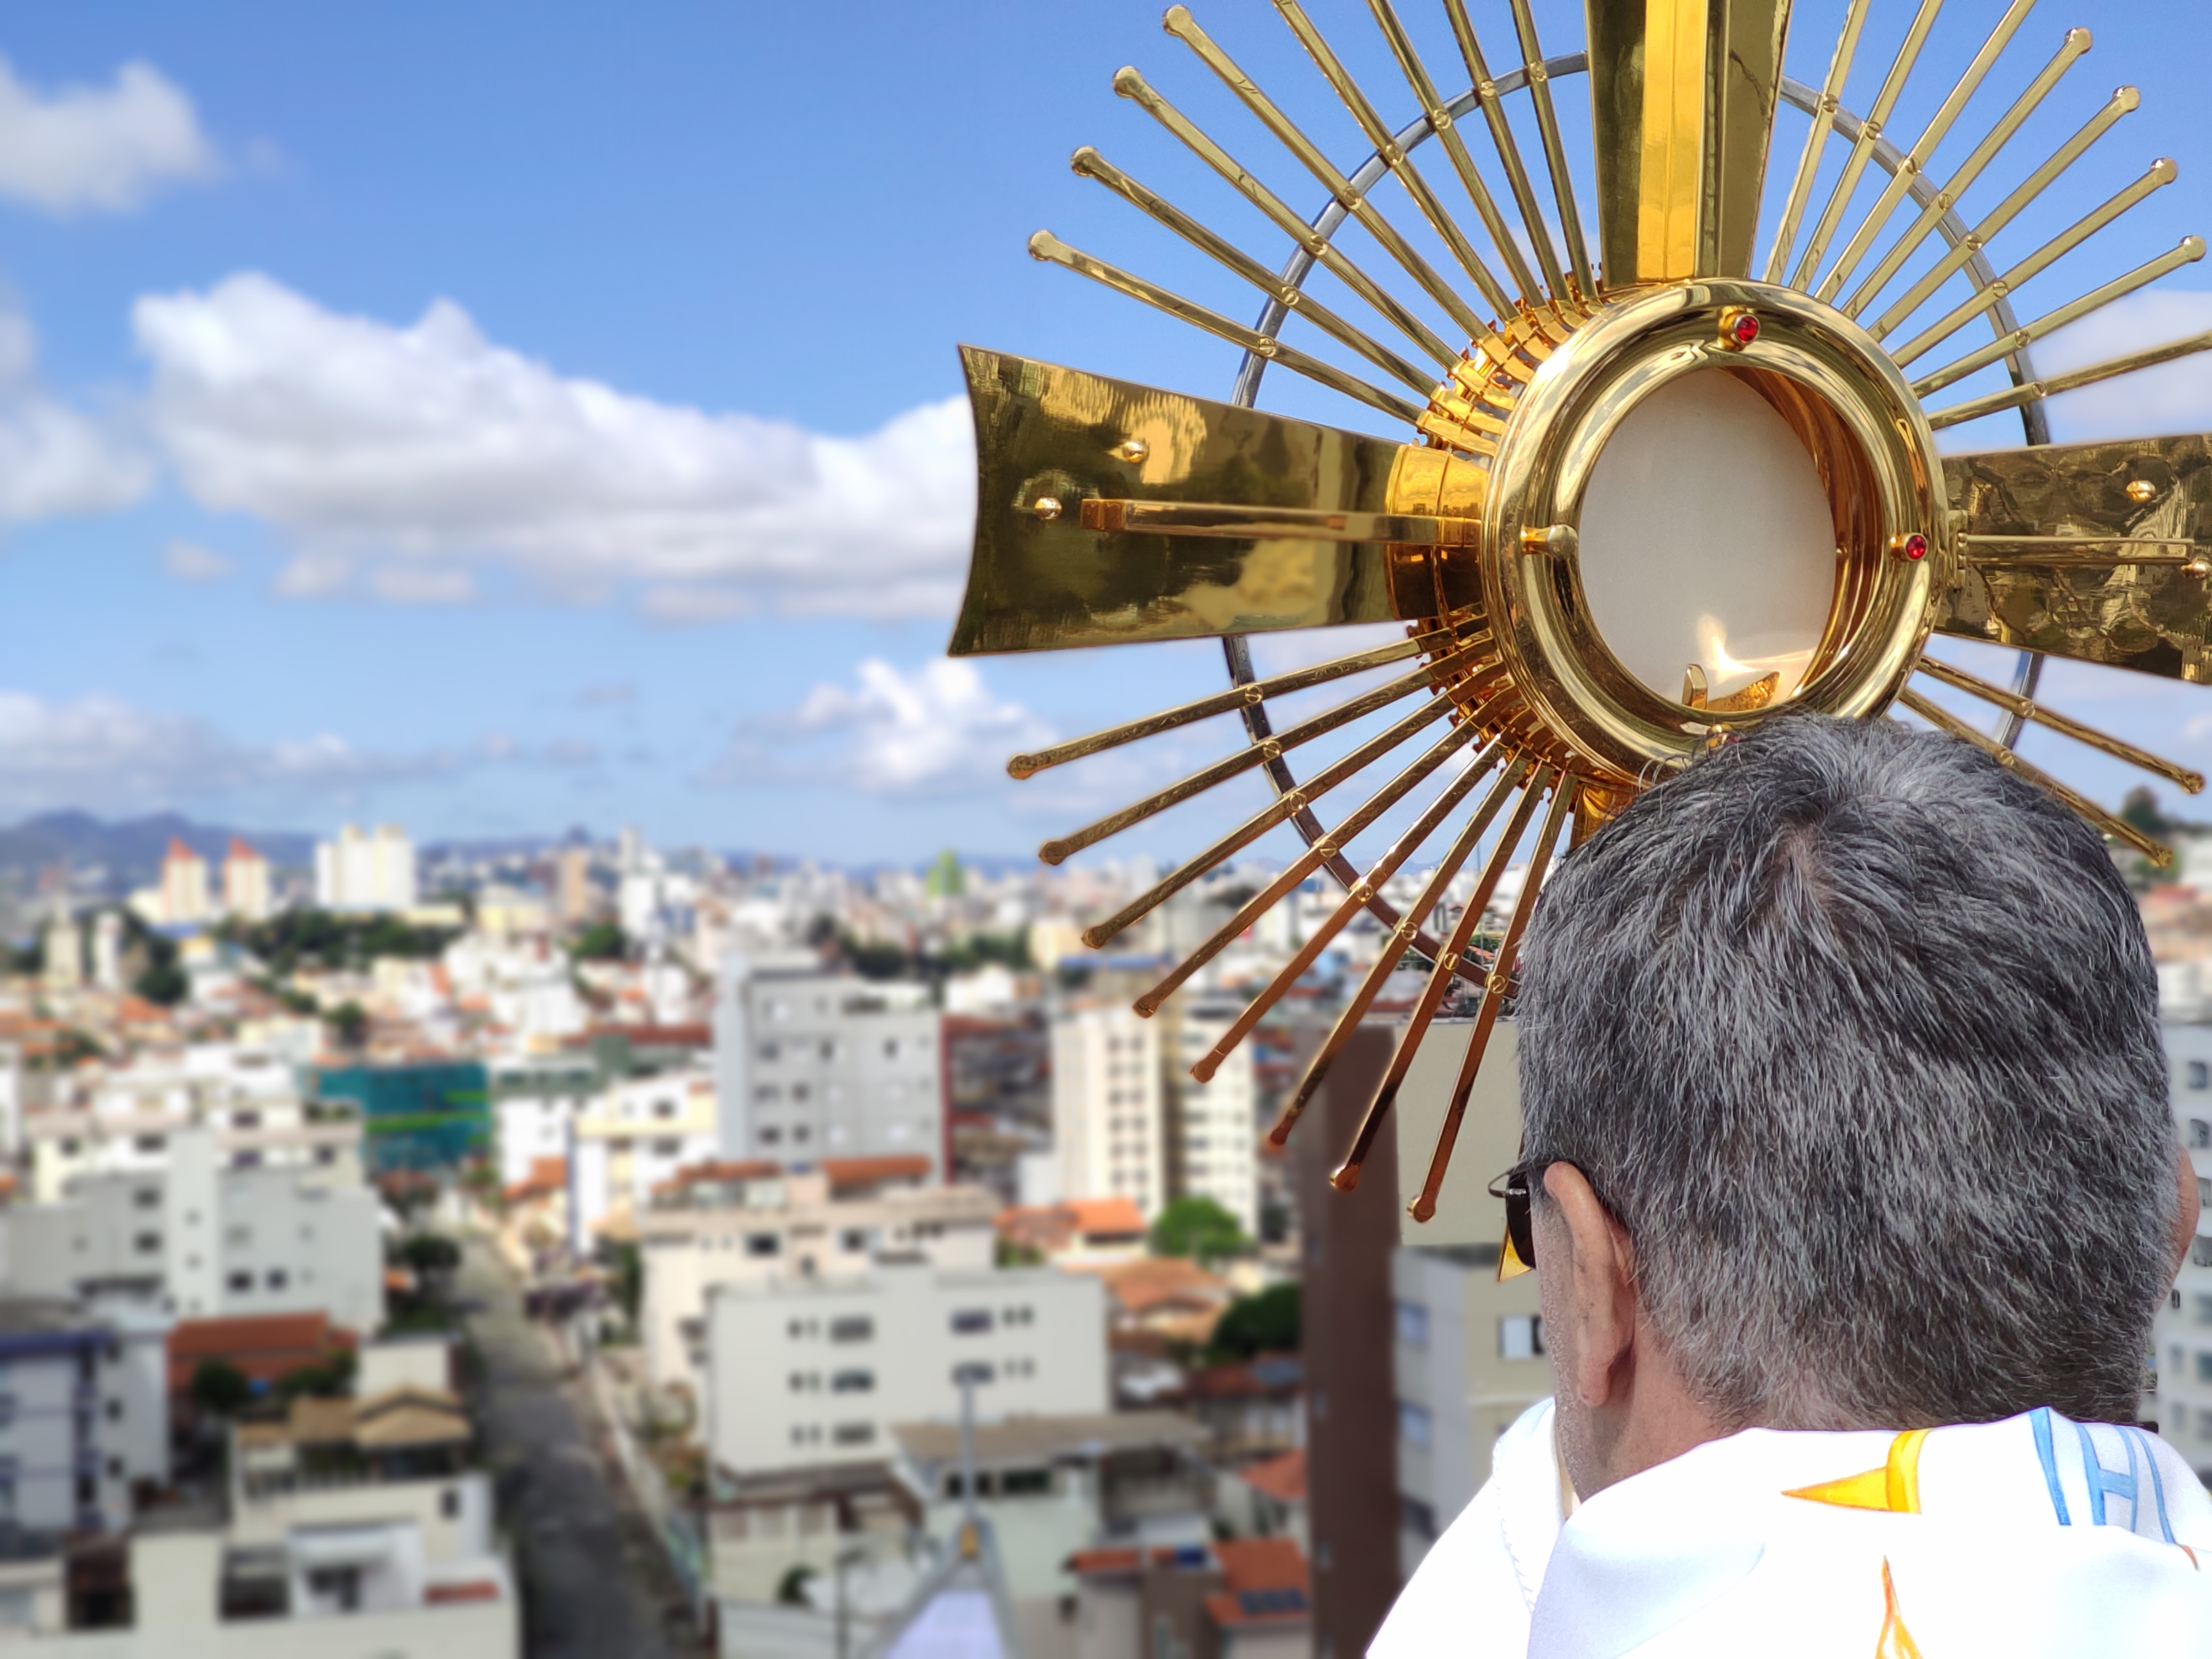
(1601, 1291)
(2185, 1208)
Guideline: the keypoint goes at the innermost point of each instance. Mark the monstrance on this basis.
(1641, 499)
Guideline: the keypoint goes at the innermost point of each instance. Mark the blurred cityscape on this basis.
(600, 1248)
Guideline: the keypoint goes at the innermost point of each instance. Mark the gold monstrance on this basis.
(1593, 448)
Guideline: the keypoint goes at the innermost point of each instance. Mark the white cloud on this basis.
(936, 730)
(189, 562)
(429, 445)
(102, 148)
(55, 461)
(2174, 397)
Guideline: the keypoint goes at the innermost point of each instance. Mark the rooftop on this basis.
(1029, 1438)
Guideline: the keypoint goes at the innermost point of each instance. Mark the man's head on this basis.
(1853, 1036)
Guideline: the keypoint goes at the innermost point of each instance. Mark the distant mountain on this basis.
(129, 850)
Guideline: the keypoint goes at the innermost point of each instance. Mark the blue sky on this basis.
(496, 417)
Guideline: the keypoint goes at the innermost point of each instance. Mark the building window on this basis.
(148, 1243)
(2200, 1252)
(241, 1283)
(663, 1109)
(1413, 1423)
(764, 1243)
(146, 1198)
(1520, 1336)
(854, 1434)
(1412, 1324)
(971, 1321)
(1025, 1483)
(2200, 1075)
(2200, 1132)
(149, 1143)
(449, 1503)
(277, 1278)
(770, 1136)
(854, 1327)
(2203, 1367)
(852, 1382)
(1417, 1518)
(978, 1372)
(666, 1148)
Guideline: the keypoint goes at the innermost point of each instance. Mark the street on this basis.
(594, 1584)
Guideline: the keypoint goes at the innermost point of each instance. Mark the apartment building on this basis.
(1108, 1132)
(84, 1413)
(809, 1064)
(123, 1121)
(374, 870)
(749, 1224)
(2181, 1340)
(813, 1372)
(1211, 1130)
(535, 1100)
(199, 1236)
(632, 1138)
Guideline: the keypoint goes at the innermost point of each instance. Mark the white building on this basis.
(752, 1224)
(632, 1139)
(366, 871)
(813, 1372)
(183, 886)
(198, 1238)
(247, 892)
(536, 1099)
(84, 1412)
(809, 1065)
(1108, 1137)
(2181, 1341)
(1212, 1131)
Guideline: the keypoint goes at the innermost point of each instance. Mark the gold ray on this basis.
(2190, 250)
(1509, 151)
(1090, 164)
(2070, 51)
(1047, 246)
(2027, 709)
(1447, 131)
(1493, 996)
(1180, 23)
(1428, 676)
(1237, 522)
(2100, 543)
(2107, 823)
(1048, 438)
(1823, 121)
(1441, 222)
(1855, 165)
(1924, 148)
(1335, 840)
(1222, 702)
(1441, 973)
(1353, 902)
(2052, 385)
(1133, 86)
(1682, 106)
(1394, 949)
(2121, 103)
(2162, 172)
(1555, 151)
(1276, 812)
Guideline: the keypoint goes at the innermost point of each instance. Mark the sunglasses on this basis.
(1516, 1254)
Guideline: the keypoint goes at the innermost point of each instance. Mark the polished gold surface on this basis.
(2149, 617)
(1041, 584)
(1090, 164)
(1682, 95)
(1816, 139)
(2190, 250)
(1424, 1207)
(1984, 231)
(2161, 173)
(1222, 702)
(1924, 148)
(1582, 280)
(2070, 51)
(1266, 523)
(2051, 385)
(2028, 710)
(2109, 823)
(1501, 138)
(1862, 150)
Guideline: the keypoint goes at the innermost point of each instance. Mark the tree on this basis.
(602, 941)
(1264, 1323)
(327, 1381)
(791, 1589)
(164, 985)
(219, 1387)
(629, 1281)
(1198, 1227)
(430, 1253)
(348, 1022)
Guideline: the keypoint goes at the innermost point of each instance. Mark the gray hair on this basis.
(1855, 1033)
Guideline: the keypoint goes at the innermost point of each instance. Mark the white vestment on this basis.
(2035, 1536)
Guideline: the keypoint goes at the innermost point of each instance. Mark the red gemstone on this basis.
(1744, 330)
(1915, 547)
